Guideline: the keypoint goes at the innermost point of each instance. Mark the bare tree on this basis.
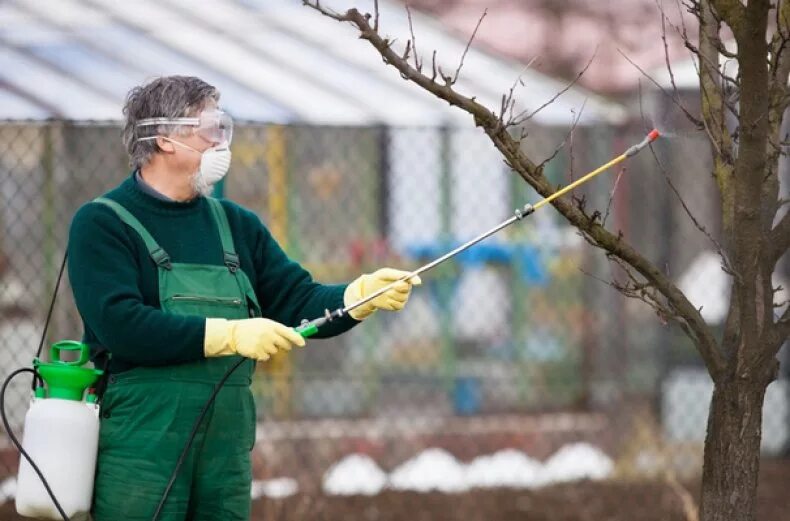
(742, 117)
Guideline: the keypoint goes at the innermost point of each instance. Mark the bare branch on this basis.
(468, 44)
(779, 95)
(521, 118)
(726, 263)
(713, 113)
(405, 56)
(725, 260)
(316, 4)
(785, 318)
(777, 335)
(638, 290)
(779, 238)
(611, 195)
(732, 12)
(692, 322)
(503, 107)
(666, 51)
(570, 158)
(726, 53)
(682, 30)
(445, 78)
(417, 62)
(568, 136)
(376, 15)
(510, 95)
(716, 40)
(675, 99)
(676, 95)
(482, 115)
(723, 150)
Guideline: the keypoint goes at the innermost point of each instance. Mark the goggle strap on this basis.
(167, 121)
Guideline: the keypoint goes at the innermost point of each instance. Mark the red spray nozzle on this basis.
(654, 134)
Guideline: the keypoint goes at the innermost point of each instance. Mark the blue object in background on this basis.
(466, 395)
(526, 258)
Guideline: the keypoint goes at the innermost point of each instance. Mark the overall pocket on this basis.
(206, 306)
(202, 290)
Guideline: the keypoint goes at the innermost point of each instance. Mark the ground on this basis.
(585, 501)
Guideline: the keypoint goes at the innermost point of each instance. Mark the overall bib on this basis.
(148, 412)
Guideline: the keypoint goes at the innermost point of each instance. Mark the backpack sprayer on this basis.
(63, 418)
(61, 430)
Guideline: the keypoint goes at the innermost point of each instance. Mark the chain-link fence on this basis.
(516, 344)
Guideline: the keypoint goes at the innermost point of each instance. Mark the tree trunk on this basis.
(732, 450)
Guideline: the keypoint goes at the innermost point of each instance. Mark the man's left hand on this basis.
(393, 299)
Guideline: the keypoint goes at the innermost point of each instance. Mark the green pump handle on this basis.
(69, 345)
(66, 380)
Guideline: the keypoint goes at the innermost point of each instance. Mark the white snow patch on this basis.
(354, 474)
(432, 469)
(577, 461)
(8, 489)
(274, 488)
(506, 468)
(707, 286)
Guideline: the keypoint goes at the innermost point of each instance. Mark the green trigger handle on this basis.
(310, 328)
(307, 329)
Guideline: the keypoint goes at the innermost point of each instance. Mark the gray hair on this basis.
(165, 97)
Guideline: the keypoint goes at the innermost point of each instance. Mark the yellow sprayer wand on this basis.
(307, 329)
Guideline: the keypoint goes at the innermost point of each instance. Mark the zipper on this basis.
(229, 301)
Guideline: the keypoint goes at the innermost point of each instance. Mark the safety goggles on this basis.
(214, 126)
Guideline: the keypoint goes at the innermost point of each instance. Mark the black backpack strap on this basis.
(101, 359)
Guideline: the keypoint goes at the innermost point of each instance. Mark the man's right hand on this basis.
(256, 338)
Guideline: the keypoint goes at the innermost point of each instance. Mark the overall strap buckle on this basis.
(161, 258)
(232, 261)
(225, 236)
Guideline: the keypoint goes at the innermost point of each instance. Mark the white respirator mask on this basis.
(214, 165)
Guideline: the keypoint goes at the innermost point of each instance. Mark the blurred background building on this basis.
(564, 36)
(516, 343)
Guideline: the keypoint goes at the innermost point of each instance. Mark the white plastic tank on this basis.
(61, 436)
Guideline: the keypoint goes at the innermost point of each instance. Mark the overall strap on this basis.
(230, 257)
(159, 256)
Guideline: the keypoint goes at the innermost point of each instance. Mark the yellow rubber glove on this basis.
(256, 338)
(391, 300)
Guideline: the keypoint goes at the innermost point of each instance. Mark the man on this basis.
(178, 288)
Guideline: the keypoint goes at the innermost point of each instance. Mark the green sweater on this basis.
(115, 282)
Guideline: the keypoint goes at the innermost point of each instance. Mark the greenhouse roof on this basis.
(273, 60)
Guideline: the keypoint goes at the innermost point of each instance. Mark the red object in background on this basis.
(369, 252)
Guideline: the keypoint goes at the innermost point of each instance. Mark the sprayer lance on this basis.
(309, 328)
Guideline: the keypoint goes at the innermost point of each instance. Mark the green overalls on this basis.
(148, 412)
